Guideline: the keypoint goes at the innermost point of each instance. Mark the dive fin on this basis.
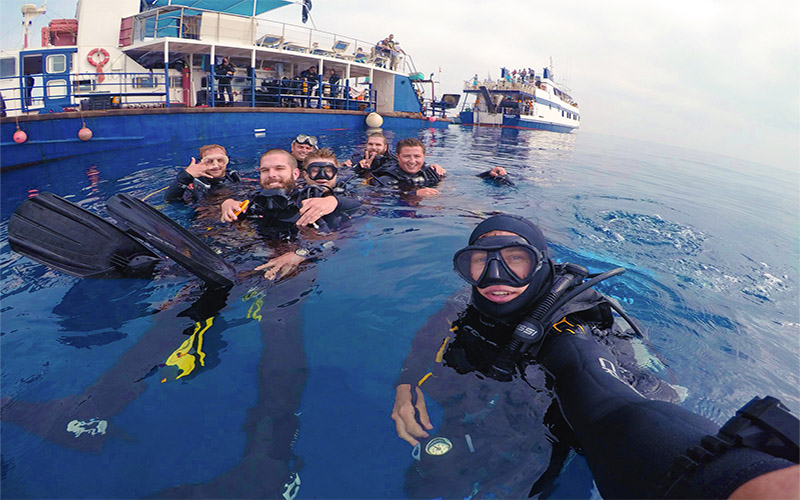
(156, 229)
(64, 236)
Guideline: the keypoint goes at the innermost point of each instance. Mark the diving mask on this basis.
(321, 170)
(498, 260)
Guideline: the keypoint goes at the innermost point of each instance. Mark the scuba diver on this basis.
(410, 173)
(197, 180)
(536, 323)
(497, 175)
(281, 208)
(376, 157)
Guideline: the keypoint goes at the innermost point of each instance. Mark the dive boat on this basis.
(135, 73)
(521, 100)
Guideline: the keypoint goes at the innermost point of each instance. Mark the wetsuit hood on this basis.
(510, 312)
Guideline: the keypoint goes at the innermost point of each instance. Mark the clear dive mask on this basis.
(321, 170)
(498, 260)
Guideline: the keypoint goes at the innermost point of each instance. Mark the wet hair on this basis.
(321, 154)
(411, 142)
(292, 160)
(379, 134)
(204, 149)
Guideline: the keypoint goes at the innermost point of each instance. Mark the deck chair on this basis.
(360, 56)
(339, 48)
(378, 59)
(270, 41)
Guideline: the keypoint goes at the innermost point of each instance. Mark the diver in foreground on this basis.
(528, 314)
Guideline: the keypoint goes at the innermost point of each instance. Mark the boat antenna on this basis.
(29, 13)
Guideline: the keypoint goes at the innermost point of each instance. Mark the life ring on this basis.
(98, 63)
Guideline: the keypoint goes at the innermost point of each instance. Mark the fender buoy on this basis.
(431, 119)
(85, 133)
(98, 62)
(374, 120)
(20, 136)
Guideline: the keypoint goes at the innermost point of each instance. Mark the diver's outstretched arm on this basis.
(631, 443)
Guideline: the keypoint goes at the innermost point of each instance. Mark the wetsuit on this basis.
(379, 163)
(516, 431)
(498, 179)
(192, 189)
(639, 448)
(393, 175)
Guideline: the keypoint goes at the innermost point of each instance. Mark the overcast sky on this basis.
(715, 76)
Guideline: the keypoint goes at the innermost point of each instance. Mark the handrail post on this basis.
(252, 87)
(347, 94)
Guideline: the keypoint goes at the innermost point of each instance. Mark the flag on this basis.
(306, 10)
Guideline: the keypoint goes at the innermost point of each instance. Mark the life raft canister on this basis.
(98, 62)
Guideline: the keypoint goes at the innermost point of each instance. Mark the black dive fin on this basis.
(156, 229)
(64, 236)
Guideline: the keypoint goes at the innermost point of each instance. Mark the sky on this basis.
(716, 76)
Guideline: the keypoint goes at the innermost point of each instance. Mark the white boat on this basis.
(523, 101)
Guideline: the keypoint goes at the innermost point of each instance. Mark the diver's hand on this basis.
(366, 163)
(314, 208)
(408, 429)
(230, 210)
(282, 265)
(498, 172)
(346, 163)
(439, 169)
(426, 192)
(197, 170)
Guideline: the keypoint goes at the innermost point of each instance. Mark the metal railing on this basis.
(218, 28)
(82, 91)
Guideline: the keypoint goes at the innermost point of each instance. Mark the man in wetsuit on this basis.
(410, 173)
(376, 156)
(200, 178)
(282, 205)
(636, 446)
(302, 145)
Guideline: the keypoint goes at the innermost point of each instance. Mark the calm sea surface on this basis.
(710, 244)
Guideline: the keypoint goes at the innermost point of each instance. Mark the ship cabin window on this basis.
(56, 63)
(56, 88)
(176, 82)
(8, 67)
(83, 86)
(144, 82)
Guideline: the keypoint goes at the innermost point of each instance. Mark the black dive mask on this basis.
(321, 170)
(498, 260)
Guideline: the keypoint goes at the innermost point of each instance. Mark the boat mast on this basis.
(29, 13)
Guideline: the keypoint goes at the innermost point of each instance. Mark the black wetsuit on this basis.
(379, 163)
(498, 179)
(393, 175)
(514, 427)
(192, 189)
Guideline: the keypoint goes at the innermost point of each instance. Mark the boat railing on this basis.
(83, 92)
(219, 28)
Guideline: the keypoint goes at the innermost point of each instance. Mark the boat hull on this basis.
(55, 136)
(512, 121)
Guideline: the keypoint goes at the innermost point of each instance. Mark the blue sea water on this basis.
(710, 245)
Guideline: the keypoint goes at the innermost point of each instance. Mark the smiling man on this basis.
(199, 178)
(410, 173)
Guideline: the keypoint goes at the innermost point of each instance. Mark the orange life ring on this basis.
(95, 62)
(98, 63)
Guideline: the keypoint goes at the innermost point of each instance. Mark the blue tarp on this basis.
(240, 7)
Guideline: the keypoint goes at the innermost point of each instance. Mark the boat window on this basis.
(80, 86)
(56, 63)
(56, 88)
(8, 67)
(144, 82)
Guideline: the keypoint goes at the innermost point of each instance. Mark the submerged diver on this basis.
(199, 178)
(636, 447)
(410, 173)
